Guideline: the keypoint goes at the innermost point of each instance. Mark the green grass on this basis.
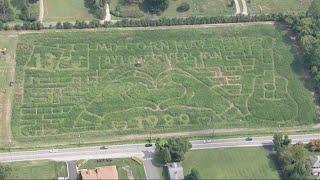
(137, 169)
(278, 6)
(231, 163)
(66, 10)
(8, 43)
(37, 170)
(200, 8)
(197, 8)
(90, 83)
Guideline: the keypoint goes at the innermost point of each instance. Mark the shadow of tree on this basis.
(273, 160)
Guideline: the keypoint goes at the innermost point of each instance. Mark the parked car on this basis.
(249, 139)
(207, 141)
(148, 145)
(103, 147)
(54, 150)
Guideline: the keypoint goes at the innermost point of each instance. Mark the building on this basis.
(175, 171)
(100, 173)
(315, 165)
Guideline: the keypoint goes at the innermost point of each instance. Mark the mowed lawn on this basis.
(37, 170)
(106, 83)
(278, 6)
(197, 8)
(65, 10)
(200, 8)
(9, 41)
(133, 166)
(231, 163)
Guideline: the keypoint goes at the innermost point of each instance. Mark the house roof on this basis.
(315, 161)
(175, 171)
(100, 173)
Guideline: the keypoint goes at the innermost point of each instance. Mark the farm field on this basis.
(108, 83)
(65, 10)
(278, 6)
(123, 167)
(37, 170)
(231, 163)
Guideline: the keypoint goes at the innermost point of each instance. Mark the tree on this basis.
(6, 12)
(171, 150)
(314, 9)
(96, 7)
(4, 172)
(314, 145)
(193, 175)
(166, 156)
(183, 7)
(178, 147)
(280, 141)
(156, 6)
(294, 161)
(67, 25)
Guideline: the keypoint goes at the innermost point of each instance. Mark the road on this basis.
(139, 150)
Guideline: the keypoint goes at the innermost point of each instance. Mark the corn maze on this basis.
(133, 81)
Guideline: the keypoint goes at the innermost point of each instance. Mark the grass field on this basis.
(37, 170)
(278, 6)
(65, 10)
(197, 8)
(232, 163)
(115, 82)
(136, 169)
(9, 41)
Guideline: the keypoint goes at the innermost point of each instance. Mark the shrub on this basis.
(155, 6)
(183, 7)
(67, 25)
(314, 145)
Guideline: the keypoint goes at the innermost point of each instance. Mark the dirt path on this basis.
(7, 96)
(155, 28)
(41, 12)
(108, 15)
(244, 8)
(238, 11)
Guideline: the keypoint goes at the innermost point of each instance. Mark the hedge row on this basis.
(141, 22)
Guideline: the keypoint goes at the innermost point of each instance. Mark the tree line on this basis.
(307, 32)
(141, 22)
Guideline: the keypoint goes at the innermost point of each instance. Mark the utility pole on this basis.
(79, 136)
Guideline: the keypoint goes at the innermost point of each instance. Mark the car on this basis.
(249, 139)
(54, 150)
(103, 147)
(148, 145)
(207, 141)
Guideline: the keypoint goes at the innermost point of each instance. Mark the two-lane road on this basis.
(139, 150)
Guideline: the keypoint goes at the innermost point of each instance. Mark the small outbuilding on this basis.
(315, 165)
(175, 171)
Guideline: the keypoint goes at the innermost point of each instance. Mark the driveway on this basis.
(72, 170)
